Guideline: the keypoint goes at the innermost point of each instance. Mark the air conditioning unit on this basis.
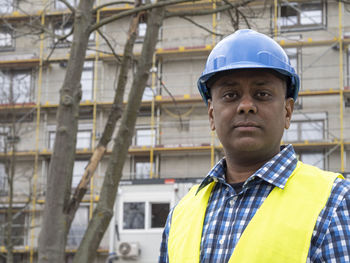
(128, 250)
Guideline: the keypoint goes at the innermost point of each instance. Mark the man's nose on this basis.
(246, 105)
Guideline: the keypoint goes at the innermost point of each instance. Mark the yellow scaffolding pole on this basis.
(37, 133)
(151, 153)
(341, 85)
(214, 23)
(275, 26)
(212, 149)
(94, 110)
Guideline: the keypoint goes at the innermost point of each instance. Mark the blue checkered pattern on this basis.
(228, 213)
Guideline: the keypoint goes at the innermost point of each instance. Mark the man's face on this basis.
(249, 112)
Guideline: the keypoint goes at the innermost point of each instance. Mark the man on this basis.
(259, 203)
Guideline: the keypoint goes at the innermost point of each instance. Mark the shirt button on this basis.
(221, 241)
(233, 200)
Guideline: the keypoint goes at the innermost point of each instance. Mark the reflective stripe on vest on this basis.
(280, 231)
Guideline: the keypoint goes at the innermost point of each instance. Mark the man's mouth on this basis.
(246, 126)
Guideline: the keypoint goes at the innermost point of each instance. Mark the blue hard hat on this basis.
(246, 49)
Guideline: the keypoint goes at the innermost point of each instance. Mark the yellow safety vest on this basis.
(280, 231)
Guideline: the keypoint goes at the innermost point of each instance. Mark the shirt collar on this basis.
(276, 171)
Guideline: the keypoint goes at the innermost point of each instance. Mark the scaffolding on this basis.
(160, 105)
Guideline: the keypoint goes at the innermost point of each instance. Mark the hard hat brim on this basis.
(204, 90)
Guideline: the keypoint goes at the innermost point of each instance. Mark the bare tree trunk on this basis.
(53, 235)
(104, 210)
(113, 117)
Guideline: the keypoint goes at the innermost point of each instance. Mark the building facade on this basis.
(173, 146)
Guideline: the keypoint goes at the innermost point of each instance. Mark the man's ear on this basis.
(289, 107)
(211, 115)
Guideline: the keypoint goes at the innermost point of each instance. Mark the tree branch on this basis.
(104, 209)
(239, 12)
(206, 12)
(113, 117)
(234, 23)
(200, 26)
(59, 39)
(197, 13)
(70, 7)
(136, 10)
(174, 101)
(54, 230)
(101, 51)
(109, 45)
(244, 17)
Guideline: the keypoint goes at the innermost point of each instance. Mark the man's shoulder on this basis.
(342, 187)
(311, 169)
(339, 199)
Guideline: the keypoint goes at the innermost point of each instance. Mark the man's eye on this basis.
(263, 94)
(230, 95)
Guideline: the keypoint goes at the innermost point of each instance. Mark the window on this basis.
(15, 87)
(159, 214)
(145, 112)
(147, 94)
(7, 138)
(6, 39)
(52, 137)
(78, 171)
(141, 32)
(60, 5)
(18, 227)
(87, 81)
(307, 15)
(315, 158)
(142, 28)
(134, 215)
(62, 29)
(16, 258)
(4, 131)
(79, 225)
(3, 180)
(6, 6)
(304, 127)
(145, 215)
(10, 116)
(305, 130)
(293, 57)
(83, 139)
(142, 167)
(145, 137)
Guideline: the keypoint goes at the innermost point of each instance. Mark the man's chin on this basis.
(247, 145)
(250, 149)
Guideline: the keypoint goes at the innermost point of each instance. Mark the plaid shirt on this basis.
(228, 213)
